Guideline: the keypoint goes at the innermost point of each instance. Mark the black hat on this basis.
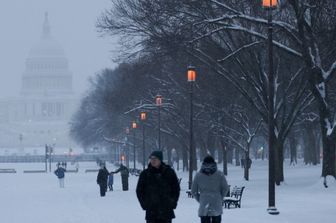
(157, 154)
(208, 159)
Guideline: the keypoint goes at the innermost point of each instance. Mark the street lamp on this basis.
(159, 104)
(126, 159)
(143, 119)
(270, 5)
(122, 157)
(191, 75)
(46, 157)
(50, 157)
(134, 126)
(20, 139)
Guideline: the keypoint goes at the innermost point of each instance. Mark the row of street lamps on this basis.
(191, 77)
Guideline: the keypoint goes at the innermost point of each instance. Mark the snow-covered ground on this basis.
(36, 197)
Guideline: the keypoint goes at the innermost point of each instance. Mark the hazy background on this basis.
(72, 25)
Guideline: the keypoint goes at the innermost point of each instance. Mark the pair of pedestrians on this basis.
(105, 178)
(158, 190)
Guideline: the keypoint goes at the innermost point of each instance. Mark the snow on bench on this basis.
(7, 170)
(234, 198)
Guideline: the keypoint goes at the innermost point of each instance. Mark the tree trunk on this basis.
(318, 145)
(311, 144)
(237, 158)
(278, 159)
(210, 145)
(247, 163)
(225, 170)
(292, 149)
(177, 160)
(328, 164)
(229, 152)
(325, 116)
(169, 152)
(263, 153)
(306, 149)
(281, 161)
(203, 150)
(194, 161)
(219, 152)
(185, 160)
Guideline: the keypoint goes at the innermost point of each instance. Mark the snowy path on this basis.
(36, 198)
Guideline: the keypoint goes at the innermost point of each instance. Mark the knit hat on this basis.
(157, 154)
(208, 159)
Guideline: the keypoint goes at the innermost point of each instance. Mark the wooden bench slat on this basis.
(7, 170)
(235, 197)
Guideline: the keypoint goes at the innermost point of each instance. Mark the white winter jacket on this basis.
(209, 191)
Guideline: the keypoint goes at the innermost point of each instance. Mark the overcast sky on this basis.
(72, 25)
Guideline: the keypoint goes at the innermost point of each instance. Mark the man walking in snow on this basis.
(102, 179)
(158, 190)
(209, 188)
(124, 173)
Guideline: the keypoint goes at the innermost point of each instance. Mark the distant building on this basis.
(41, 114)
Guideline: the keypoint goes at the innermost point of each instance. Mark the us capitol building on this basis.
(42, 112)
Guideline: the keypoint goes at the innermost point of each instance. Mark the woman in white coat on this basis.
(209, 188)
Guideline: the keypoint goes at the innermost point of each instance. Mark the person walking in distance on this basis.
(110, 182)
(209, 188)
(124, 173)
(158, 190)
(102, 179)
(59, 172)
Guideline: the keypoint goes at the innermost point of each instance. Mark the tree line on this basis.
(227, 42)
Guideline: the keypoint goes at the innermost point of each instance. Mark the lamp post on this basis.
(50, 157)
(143, 119)
(46, 158)
(127, 157)
(191, 74)
(134, 126)
(158, 102)
(270, 5)
(20, 139)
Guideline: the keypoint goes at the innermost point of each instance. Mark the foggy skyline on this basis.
(72, 25)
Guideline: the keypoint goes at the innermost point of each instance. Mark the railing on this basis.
(54, 158)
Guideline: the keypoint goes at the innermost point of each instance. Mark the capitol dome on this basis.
(47, 68)
(47, 46)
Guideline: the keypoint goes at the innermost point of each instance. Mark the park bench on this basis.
(135, 172)
(234, 198)
(7, 171)
(34, 171)
(91, 170)
(189, 193)
(72, 171)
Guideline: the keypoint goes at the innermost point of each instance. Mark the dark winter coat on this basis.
(59, 172)
(102, 176)
(124, 172)
(158, 191)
